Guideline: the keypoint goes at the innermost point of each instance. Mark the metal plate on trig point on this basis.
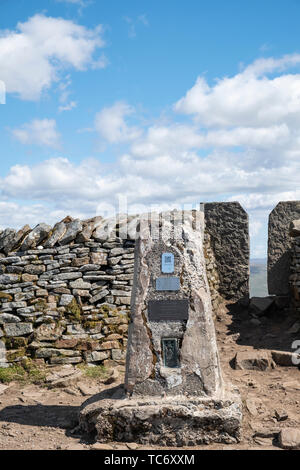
(167, 263)
(170, 352)
(167, 283)
(168, 310)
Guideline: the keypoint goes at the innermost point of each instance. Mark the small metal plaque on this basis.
(167, 263)
(167, 283)
(168, 310)
(170, 352)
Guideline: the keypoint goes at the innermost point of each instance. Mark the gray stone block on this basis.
(228, 227)
(18, 329)
(280, 246)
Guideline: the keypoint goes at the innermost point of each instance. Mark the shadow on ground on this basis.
(271, 331)
(63, 417)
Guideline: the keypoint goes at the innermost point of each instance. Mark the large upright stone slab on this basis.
(279, 246)
(227, 225)
(199, 372)
(174, 393)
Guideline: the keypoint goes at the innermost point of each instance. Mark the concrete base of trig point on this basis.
(174, 392)
(170, 421)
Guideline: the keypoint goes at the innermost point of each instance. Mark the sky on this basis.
(137, 105)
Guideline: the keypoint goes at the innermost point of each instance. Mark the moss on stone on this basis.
(89, 324)
(15, 342)
(13, 355)
(113, 328)
(73, 311)
(41, 305)
(104, 309)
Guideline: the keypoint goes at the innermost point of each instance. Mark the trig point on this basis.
(174, 392)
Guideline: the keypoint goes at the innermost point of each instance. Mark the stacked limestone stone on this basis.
(294, 275)
(65, 292)
(227, 233)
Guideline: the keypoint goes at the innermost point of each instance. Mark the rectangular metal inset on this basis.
(167, 263)
(167, 283)
(168, 310)
(170, 352)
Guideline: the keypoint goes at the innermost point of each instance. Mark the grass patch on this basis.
(36, 376)
(13, 373)
(96, 372)
(25, 373)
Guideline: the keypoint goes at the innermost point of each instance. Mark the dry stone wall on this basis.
(227, 250)
(294, 277)
(294, 272)
(65, 293)
(280, 246)
(65, 290)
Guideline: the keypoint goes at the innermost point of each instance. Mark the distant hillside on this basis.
(258, 277)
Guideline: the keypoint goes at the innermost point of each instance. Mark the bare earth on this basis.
(35, 417)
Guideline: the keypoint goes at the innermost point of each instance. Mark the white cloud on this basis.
(255, 228)
(54, 178)
(244, 146)
(41, 132)
(64, 90)
(2, 92)
(111, 126)
(68, 106)
(249, 98)
(178, 137)
(33, 56)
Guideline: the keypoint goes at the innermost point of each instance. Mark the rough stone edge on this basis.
(217, 257)
(279, 285)
(148, 420)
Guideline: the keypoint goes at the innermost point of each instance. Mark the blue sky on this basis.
(166, 103)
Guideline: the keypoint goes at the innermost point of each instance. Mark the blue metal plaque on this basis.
(167, 283)
(167, 263)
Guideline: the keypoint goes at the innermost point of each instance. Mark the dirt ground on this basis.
(35, 417)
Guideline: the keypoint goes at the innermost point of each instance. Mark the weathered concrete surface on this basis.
(199, 373)
(170, 421)
(279, 246)
(227, 225)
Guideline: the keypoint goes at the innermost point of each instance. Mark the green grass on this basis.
(25, 374)
(97, 372)
(10, 374)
